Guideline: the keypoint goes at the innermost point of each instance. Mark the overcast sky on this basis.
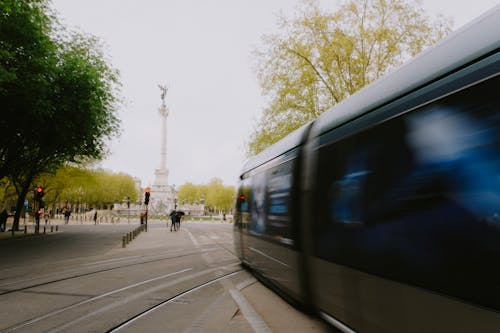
(202, 50)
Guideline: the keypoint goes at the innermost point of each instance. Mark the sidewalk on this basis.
(249, 307)
(28, 230)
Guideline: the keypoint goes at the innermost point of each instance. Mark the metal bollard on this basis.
(44, 230)
(51, 228)
(25, 229)
(124, 241)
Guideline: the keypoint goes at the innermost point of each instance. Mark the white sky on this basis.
(202, 50)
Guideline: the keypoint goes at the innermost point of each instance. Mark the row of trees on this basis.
(319, 58)
(217, 197)
(78, 188)
(57, 92)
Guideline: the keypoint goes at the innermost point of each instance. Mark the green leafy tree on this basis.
(227, 198)
(319, 58)
(84, 188)
(189, 193)
(7, 194)
(26, 55)
(217, 196)
(122, 187)
(59, 91)
(55, 184)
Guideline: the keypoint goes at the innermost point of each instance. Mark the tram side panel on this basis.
(269, 242)
(407, 221)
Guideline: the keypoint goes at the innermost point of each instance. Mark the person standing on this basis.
(3, 220)
(173, 219)
(46, 216)
(67, 214)
(178, 217)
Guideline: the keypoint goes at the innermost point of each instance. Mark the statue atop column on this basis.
(164, 90)
(161, 174)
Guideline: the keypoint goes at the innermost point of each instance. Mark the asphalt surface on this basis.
(81, 279)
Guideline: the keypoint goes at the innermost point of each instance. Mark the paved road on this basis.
(82, 280)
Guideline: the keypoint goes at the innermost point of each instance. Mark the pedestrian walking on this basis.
(173, 219)
(95, 217)
(67, 214)
(178, 216)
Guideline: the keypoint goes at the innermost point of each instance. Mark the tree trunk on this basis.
(20, 203)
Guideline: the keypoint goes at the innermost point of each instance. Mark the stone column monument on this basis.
(162, 195)
(161, 174)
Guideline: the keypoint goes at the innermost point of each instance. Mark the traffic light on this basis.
(39, 193)
(146, 196)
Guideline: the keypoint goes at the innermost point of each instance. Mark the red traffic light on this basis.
(39, 189)
(146, 196)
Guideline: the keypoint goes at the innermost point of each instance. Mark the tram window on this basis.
(257, 223)
(417, 198)
(278, 196)
(243, 203)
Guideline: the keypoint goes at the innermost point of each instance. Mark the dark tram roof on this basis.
(289, 142)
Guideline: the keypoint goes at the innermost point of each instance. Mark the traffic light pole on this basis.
(37, 206)
(146, 219)
(146, 202)
(128, 208)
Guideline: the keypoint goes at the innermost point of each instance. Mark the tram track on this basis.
(82, 294)
(170, 300)
(79, 273)
(104, 262)
(121, 296)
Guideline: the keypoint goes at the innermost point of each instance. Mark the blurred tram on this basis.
(383, 215)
